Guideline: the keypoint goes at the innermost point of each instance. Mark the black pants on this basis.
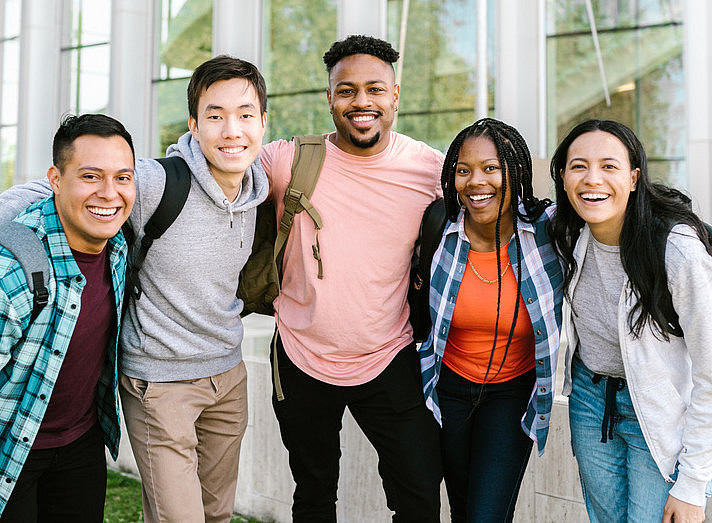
(485, 450)
(65, 484)
(392, 414)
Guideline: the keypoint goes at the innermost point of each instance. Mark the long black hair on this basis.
(516, 169)
(652, 210)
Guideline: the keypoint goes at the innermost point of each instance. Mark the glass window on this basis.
(645, 80)
(9, 80)
(86, 54)
(439, 65)
(296, 36)
(185, 38)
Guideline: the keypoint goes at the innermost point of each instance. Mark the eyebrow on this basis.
(369, 82)
(100, 170)
(578, 159)
(214, 107)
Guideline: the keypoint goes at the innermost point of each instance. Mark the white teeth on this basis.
(480, 197)
(232, 150)
(594, 196)
(362, 118)
(102, 211)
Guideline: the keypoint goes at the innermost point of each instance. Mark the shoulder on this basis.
(276, 151)
(684, 251)
(418, 150)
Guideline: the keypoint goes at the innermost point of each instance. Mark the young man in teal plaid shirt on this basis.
(58, 372)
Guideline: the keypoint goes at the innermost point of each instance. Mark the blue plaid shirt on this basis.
(542, 292)
(29, 369)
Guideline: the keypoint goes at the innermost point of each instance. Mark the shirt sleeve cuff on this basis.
(689, 490)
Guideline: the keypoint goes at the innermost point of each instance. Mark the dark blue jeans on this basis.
(484, 449)
(390, 410)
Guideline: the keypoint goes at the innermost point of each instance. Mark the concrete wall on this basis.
(550, 490)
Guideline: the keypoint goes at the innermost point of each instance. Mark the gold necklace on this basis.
(483, 279)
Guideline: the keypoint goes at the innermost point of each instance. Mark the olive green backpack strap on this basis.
(309, 153)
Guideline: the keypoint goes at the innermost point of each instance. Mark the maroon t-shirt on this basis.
(72, 406)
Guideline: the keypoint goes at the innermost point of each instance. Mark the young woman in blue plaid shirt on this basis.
(495, 304)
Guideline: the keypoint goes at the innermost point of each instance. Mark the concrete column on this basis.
(367, 17)
(697, 57)
(518, 69)
(38, 112)
(132, 31)
(245, 42)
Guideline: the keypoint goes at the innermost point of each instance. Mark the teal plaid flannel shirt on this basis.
(542, 292)
(29, 368)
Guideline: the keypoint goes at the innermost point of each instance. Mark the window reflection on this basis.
(9, 80)
(184, 42)
(439, 65)
(641, 48)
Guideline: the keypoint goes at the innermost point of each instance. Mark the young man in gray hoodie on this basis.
(183, 382)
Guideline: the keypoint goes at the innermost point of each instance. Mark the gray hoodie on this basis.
(186, 325)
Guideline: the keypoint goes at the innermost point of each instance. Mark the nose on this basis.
(477, 178)
(107, 190)
(593, 176)
(362, 99)
(231, 128)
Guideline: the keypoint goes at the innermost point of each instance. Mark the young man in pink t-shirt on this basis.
(344, 340)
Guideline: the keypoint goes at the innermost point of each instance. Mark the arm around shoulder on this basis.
(17, 198)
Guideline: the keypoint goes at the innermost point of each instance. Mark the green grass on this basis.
(123, 501)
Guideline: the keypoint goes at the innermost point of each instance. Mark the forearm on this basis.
(17, 198)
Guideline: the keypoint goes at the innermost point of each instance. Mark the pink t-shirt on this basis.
(347, 327)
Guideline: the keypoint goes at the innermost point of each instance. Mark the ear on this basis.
(396, 95)
(54, 177)
(563, 180)
(264, 120)
(328, 97)
(193, 126)
(634, 175)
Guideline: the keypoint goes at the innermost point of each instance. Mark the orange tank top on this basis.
(469, 342)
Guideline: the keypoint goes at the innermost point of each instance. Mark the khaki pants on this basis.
(186, 437)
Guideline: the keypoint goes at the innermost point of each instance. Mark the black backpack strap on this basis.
(175, 193)
(431, 231)
(28, 250)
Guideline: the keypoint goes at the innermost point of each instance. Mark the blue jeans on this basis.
(619, 478)
(484, 449)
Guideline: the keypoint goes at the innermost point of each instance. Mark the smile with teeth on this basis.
(480, 197)
(594, 196)
(233, 150)
(102, 211)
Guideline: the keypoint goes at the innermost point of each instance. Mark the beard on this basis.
(365, 144)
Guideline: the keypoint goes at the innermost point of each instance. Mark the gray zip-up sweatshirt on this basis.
(186, 325)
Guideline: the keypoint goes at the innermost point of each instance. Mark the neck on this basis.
(483, 237)
(230, 185)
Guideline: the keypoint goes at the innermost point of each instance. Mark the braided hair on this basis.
(516, 168)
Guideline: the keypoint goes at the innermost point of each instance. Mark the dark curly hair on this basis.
(359, 44)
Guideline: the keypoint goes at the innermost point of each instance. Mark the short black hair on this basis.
(72, 127)
(224, 67)
(359, 44)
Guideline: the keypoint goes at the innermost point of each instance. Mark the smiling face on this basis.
(598, 180)
(478, 182)
(363, 99)
(95, 191)
(229, 129)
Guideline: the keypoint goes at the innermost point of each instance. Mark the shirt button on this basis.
(538, 332)
(42, 396)
(73, 306)
(8, 480)
(542, 417)
(79, 279)
(529, 300)
(25, 439)
(56, 353)
(543, 389)
(540, 362)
